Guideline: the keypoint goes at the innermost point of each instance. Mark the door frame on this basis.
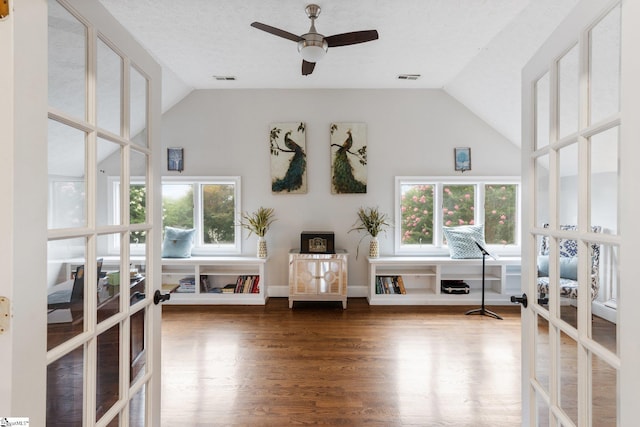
(24, 220)
(629, 376)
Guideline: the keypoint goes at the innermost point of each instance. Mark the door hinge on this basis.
(5, 312)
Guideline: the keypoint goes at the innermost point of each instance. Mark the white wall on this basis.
(604, 195)
(410, 132)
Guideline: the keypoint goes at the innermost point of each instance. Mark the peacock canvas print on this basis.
(348, 158)
(288, 158)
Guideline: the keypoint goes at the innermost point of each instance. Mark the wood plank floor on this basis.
(319, 364)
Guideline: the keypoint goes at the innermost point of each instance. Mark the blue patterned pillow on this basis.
(177, 242)
(462, 241)
(566, 247)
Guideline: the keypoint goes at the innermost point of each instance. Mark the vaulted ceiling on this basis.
(473, 49)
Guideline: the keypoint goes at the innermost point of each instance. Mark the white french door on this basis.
(581, 98)
(103, 329)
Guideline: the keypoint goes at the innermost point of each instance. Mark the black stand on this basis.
(482, 310)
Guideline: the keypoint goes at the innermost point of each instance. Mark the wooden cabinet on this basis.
(318, 277)
(421, 278)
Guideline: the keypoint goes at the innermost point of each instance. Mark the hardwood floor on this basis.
(320, 364)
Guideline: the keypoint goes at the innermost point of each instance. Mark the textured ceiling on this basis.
(474, 49)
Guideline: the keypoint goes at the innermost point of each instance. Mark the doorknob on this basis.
(158, 297)
(520, 300)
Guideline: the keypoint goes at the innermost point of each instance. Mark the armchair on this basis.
(568, 282)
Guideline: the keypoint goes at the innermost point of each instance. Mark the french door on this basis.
(103, 340)
(581, 98)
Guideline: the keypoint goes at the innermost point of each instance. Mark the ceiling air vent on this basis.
(224, 78)
(408, 76)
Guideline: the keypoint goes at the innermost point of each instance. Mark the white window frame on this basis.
(437, 247)
(200, 248)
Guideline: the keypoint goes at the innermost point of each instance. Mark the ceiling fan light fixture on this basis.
(313, 47)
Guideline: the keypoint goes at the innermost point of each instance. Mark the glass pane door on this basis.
(99, 291)
(573, 227)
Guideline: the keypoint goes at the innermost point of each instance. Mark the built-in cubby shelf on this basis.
(202, 280)
(421, 278)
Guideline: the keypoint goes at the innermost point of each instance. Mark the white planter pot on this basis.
(374, 248)
(262, 247)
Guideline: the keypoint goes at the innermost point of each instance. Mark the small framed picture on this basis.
(462, 157)
(175, 159)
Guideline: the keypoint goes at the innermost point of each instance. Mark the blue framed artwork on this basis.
(462, 157)
(175, 159)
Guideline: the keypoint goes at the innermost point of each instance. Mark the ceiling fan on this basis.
(313, 45)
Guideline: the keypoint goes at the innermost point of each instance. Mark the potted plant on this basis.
(258, 222)
(372, 222)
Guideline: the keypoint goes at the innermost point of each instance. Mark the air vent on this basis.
(408, 76)
(224, 78)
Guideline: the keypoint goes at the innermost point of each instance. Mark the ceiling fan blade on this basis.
(354, 37)
(276, 31)
(307, 67)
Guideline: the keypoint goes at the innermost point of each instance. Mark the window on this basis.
(211, 205)
(67, 202)
(425, 204)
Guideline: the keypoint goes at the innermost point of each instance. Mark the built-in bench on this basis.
(422, 276)
(196, 280)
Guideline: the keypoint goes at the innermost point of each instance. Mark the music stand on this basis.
(482, 310)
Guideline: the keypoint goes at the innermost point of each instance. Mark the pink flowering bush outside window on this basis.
(417, 214)
(500, 214)
(461, 204)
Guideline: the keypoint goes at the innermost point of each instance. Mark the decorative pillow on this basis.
(568, 267)
(177, 242)
(567, 247)
(543, 266)
(462, 240)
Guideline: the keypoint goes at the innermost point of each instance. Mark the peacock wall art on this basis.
(288, 158)
(348, 158)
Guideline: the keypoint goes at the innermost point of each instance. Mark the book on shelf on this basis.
(390, 285)
(205, 286)
(255, 289)
(246, 284)
(187, 284)
(403, 290)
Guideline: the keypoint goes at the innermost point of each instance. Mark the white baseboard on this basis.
(605, 311)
